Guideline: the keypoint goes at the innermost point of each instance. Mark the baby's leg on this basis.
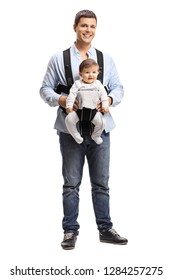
(71, 121)
(99, 126)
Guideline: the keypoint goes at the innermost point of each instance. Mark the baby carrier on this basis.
(85, 115)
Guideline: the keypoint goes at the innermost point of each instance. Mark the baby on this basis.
(88, 91)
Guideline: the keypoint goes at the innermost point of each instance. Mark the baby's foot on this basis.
(98, 140)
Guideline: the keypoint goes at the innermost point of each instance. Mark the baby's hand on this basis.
(69, 110)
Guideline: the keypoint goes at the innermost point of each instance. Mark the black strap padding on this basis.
(61, 88)
(68, 69)
(101, 65)
(86, 115)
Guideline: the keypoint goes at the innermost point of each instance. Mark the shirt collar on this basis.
(91, 51)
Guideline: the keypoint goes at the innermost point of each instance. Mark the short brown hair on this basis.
(86, 14)
(87, 63)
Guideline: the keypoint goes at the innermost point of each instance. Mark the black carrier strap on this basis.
(67, 65)
(85, 116)
(68, 73)
(101, 64)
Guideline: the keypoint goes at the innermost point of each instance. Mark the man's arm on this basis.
(50, 82)
(112, 81)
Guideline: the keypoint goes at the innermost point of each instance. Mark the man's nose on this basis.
(88, 28)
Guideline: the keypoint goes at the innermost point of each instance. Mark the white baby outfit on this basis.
(88, 96)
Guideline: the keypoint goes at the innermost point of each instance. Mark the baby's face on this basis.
(89, 74)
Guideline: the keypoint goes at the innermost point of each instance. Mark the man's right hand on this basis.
(62, 101)
(75, 105)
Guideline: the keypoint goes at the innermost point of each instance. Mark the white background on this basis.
(138, 34)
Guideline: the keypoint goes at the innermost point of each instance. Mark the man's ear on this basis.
(74, 27)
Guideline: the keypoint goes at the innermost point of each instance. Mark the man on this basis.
(73, 154)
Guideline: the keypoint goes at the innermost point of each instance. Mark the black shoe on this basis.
(69, 241)
(111, 236)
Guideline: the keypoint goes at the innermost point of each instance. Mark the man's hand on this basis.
(62, 102)
(75, 105)
(99, 104)
(105, 110)
(110, 100)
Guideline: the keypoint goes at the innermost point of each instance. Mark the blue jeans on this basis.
(73, 158)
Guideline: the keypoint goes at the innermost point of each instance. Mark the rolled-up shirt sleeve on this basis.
(50, 81)
(114, 86)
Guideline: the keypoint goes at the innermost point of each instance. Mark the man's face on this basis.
(85, 30)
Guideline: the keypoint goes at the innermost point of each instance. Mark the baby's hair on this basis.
(87, 63)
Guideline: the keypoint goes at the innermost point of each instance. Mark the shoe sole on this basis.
(110, 242)
(67, 248)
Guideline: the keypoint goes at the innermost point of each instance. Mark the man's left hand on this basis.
(99, 104)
